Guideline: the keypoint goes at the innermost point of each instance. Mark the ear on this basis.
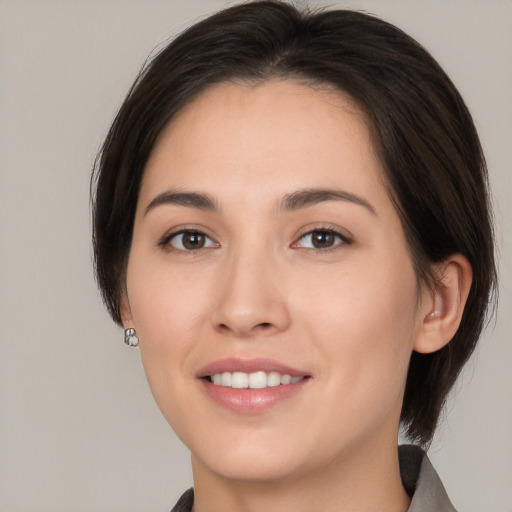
(442, 307)
(126, 312)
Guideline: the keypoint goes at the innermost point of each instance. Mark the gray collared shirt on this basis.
(422, 482)
(418, 476)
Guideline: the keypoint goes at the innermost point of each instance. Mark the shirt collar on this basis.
(422, 482)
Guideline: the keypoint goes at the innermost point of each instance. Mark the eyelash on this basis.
(165, 242)
(343, 239)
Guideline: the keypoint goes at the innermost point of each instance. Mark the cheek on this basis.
(365, 321)
(165, 302)
(169, 311)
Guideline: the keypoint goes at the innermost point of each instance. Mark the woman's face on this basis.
(266, 247)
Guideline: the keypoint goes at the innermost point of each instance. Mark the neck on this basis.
(361, 482)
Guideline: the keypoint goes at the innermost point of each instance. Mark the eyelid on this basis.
(345, 238)
(165, 240)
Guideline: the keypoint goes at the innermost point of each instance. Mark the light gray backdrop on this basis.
(78, 428)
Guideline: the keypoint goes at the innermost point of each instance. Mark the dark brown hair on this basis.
(423, 132)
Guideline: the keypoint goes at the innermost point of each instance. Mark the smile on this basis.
(252, 386)
(254, 380)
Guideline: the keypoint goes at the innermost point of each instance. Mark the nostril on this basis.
(224, 327)
(264, 325)
(243, 328)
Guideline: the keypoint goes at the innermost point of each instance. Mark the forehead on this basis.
(270, 138)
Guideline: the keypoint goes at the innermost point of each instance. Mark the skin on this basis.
(348, 315)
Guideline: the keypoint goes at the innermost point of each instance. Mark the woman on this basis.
(291, 222)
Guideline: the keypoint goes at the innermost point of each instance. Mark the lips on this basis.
(251, 385)
(235, 364)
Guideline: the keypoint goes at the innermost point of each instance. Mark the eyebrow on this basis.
(291, 202)
(310, 197)
(188, 199)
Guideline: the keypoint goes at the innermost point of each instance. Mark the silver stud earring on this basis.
(130, 337)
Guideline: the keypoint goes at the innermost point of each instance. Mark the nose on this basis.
(251, 298)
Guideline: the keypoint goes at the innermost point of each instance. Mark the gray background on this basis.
(78, 428)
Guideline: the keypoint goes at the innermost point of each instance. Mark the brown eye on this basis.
(190, 241)
(193, 240)
(321, 239)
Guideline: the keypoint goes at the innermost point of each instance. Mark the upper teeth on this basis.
(256, 380)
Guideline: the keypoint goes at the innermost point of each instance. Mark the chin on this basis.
(247, 454)
(251, 467)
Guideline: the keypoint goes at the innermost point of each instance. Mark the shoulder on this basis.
(185, 503)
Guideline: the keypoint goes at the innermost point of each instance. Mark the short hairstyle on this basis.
(423, 133)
